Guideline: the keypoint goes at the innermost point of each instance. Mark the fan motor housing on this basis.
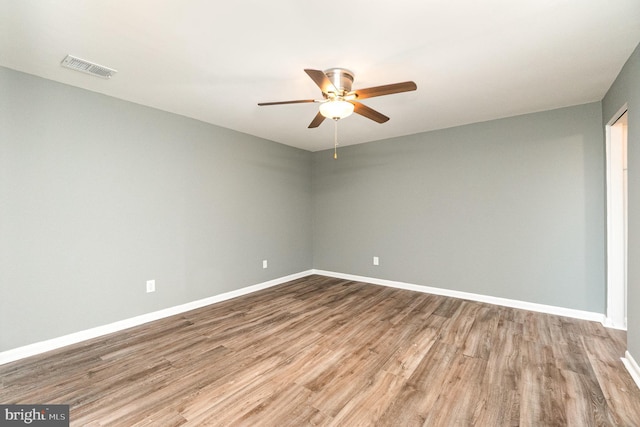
(341, 78)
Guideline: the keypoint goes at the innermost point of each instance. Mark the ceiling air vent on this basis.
(87, 67)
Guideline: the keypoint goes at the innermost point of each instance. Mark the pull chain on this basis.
(335, 140)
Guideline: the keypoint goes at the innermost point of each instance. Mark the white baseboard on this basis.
(76, 337)
(541, 308)
(610, 323)
(632, 366)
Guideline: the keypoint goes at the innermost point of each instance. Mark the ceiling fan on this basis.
(339, 101)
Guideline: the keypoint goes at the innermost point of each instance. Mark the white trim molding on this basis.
(610, 323)
(76, 337)
(632, 366)
(541, 308)
(615, 149)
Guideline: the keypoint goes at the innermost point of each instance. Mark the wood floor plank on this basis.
(333, 352)
(420, 392)
(501, 384)
(366, 407)
(459, 400)
(481, 337)
(617, 386)
(542, 388)
(590, 408)
(287, 407)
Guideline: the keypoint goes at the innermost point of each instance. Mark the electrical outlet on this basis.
(376, 260)
(151, 286)
(265, 264)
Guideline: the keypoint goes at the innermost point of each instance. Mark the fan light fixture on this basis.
(337, 109)
(339, 101)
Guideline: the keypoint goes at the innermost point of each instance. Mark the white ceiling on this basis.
(214, 61)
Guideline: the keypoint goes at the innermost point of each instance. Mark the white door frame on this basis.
(616, 226)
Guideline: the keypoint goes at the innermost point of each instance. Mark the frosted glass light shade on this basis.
(336, 109)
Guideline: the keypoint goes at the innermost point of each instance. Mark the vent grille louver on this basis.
(84, 66)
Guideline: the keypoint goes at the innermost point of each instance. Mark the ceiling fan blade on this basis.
(321, 79)
(300, 101)
(368, 112)
(385, 90)
(317, 120)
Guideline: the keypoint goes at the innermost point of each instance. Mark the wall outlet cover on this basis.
(151, 286)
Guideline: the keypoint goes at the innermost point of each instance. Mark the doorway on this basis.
(616, 148)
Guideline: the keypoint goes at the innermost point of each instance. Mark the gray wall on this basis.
(98, 195)
(511, 208)
(626, 89)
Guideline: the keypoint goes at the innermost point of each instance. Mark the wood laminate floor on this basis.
(323, 351)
